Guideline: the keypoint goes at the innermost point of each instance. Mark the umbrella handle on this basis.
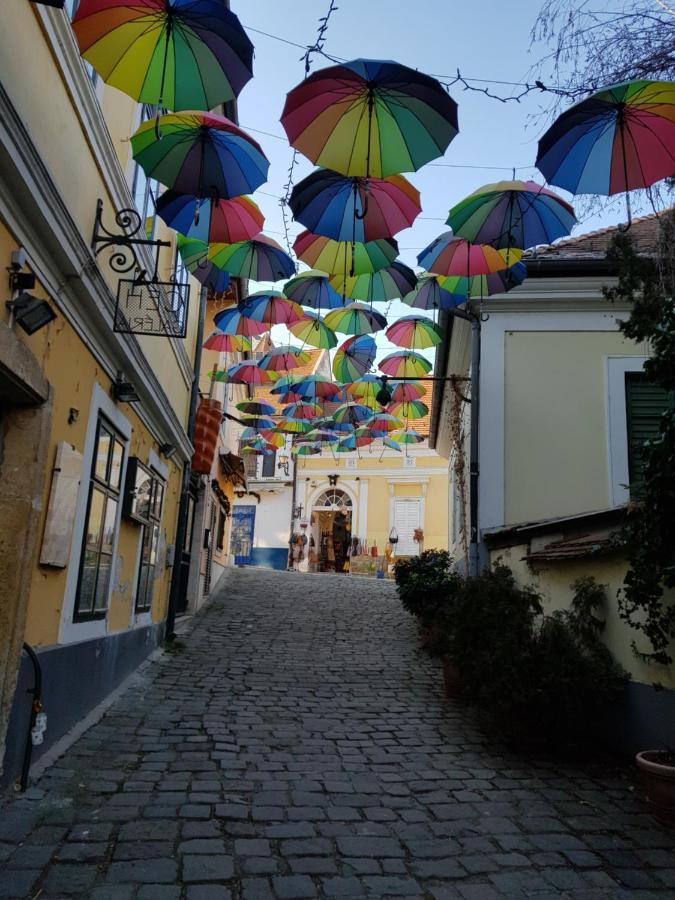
(160, 102)
(624, 228)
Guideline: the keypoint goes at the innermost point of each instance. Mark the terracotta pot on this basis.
(659, 780)
(451, 678)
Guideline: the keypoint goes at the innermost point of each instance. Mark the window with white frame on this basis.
(145, 190)
(406, 517)
(153, 489)
(71, 9)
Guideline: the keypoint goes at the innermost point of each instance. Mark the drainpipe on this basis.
(294, 492)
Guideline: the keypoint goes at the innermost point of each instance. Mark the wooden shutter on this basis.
(407, 511)
(645, 403)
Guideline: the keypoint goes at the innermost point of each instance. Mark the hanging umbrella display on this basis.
(347, 444)
(405, 391)
(370, 118)
(344, 256)
(355, 318)
(450, 255)
(255, 407)
(227, 343)
(313, 330)
(271, 307)
(354, 357)
(483, 285)
(392, 444)
(615, 141)
(260, 259)
(428, 294)
(211, 221)
(259, 422)
(231, 321)
(258, 445)
(386, 284)
(405, 364)
(322, 436)
(313, 289)
(354, 209)
(365, 389)
(301, 410)
(384, 422)
(512, 214)
(351, 413)
(306, 449)
(293, 425)
(284, 359)
(364, 436)
(409, 409)
(407, 436)
(315, 387)
(247, 373)
(200, 154)
(194, 255)
(414, 331)
(274, 438)
(175, 54)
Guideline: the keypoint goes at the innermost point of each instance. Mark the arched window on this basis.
(333, 498)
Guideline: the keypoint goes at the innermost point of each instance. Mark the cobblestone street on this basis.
(297, 744)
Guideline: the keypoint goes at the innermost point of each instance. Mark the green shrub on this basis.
(426, 584)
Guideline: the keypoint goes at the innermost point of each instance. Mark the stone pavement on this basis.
(298, 745)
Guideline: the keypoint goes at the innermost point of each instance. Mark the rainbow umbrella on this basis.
(255, 407)
(364, 436)
(414, 331)
(617, 140)
(483, 285)
(355, 318)
(246, 373)
(313, 289)
(272, 308)
(343, 256)
(322, 436)
(302, 410)
(512, 214)
(409, 409)
(284, 359)
(353, 209)
(386, 284)
(406, 391)
(260, 259)
(354, 357)
(408, 436)
(391, 444)
(248, 434)
(231, 321)
(313, 330)
(384, 422)
(175, 54)
(211, 221)
(258, 445)
(194, 255)
(274, 438)
(200, 154)
(259, 422)
(294, 426)
(370, 117)
(450, 255)
(347, 444)
(306, 449)
(405, 364)
(315, 387)
(227, 343)
(365, 389)
(428, 294)
(351, 413)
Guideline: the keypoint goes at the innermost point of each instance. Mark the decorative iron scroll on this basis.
(151, 307)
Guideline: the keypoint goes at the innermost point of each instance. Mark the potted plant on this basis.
(658, 774)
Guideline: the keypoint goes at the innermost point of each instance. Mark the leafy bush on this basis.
(426, 584)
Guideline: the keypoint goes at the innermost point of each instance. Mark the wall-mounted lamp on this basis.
(167, 450)
(123, 391)
(333, 480)
(383, 396)
(240, 492)
(282, 463)
(30, 313)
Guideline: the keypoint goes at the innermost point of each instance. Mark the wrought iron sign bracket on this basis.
(125, 259)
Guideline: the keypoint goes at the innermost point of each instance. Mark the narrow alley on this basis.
(295, 743)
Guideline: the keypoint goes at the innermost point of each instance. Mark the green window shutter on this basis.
(645, 404)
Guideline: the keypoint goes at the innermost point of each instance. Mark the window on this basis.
(71, 9)
(220, 533)
(181, 273)
(645, 404)
(145, 189)
(406, 518)
(269, 465)
(91, 599)
(250, 462)
(152, 492)
(333, 498)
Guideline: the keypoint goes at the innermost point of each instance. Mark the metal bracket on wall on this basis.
(124, 259)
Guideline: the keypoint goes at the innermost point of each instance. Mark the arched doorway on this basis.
(330, 531)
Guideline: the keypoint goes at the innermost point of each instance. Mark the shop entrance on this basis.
(330, 532)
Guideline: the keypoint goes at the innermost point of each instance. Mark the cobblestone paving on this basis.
(298, 745)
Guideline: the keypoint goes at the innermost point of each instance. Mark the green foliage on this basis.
(648, 535)
(426, 583)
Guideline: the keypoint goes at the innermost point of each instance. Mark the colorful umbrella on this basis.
(370, 118)
(409, 409)
(354, 357)
(384, 422)
(483, 285)
(354, 209)
(386, 284)
(272, 308)
(365, 389)
(313, 331)
(200, 154)
(351, 413)
(450, 255)
(231, 321)
(414, 331)
(260, 259)
(255, 407)
(211, 221)
(175, 54)
(274, 438)
(247, 373)
(430, 295)
(344, 256)
(392, 444)
(227, 343)
(405, 364)
(347, 444)
(406, 391)
(408, 436)
(322, 436)
(294, 426)
(248, 434)
(194, 255)
(313, 289)
(306, 449)
(302, 410)
(512, 214)
(617, 140)
(259, 422)
(355, 318)
(284, 359)
(258, 445)
(315, 387)
(364, 436)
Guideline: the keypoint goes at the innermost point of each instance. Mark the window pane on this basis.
(109, 525)
(269, 465)
(154, 540)
(95, 519)
(102, 582)
(116, 465)
(102, 453)
(142, 587)
(159, 497)
(85, 597)
(143, 493)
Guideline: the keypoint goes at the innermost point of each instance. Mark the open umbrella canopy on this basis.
(322, 436)
(355, 318)
(231, 321)
(354, 357)
(451, 255)
(405, 364)
(247, 373)
(259, 445)
(414, 332)
(194, 255)
(383, 422)
(272, 308)
(255, 408)
(312, 289)
(347, 444)
(483, 285)
(405, 391)
(386, 284)
(365, 435)
(348, 208)
(617, 140)
(315, 388)
(306, 449)
(392, 444)
(284, 359)
(259, 422)
(344, 256)
(211, 221)
(407, 436)
(512, 214)
(408, 409)
(227, 343)
(259, 258)
(175, 54)
(291, 425)
(313, 330)
(352, 413)
(428, 294)
(365, 390)
(370, 118)
(302, 410)
(200, 154)
(273, 437)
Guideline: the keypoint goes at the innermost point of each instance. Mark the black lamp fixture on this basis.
(333, 480)
(383, 396)
(167, 450)
(123, 391)
(282, 463)
(240, 492)
(30, 312)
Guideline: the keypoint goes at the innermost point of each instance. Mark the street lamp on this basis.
(282, 463)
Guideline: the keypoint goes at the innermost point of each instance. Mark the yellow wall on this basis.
(556, 453)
